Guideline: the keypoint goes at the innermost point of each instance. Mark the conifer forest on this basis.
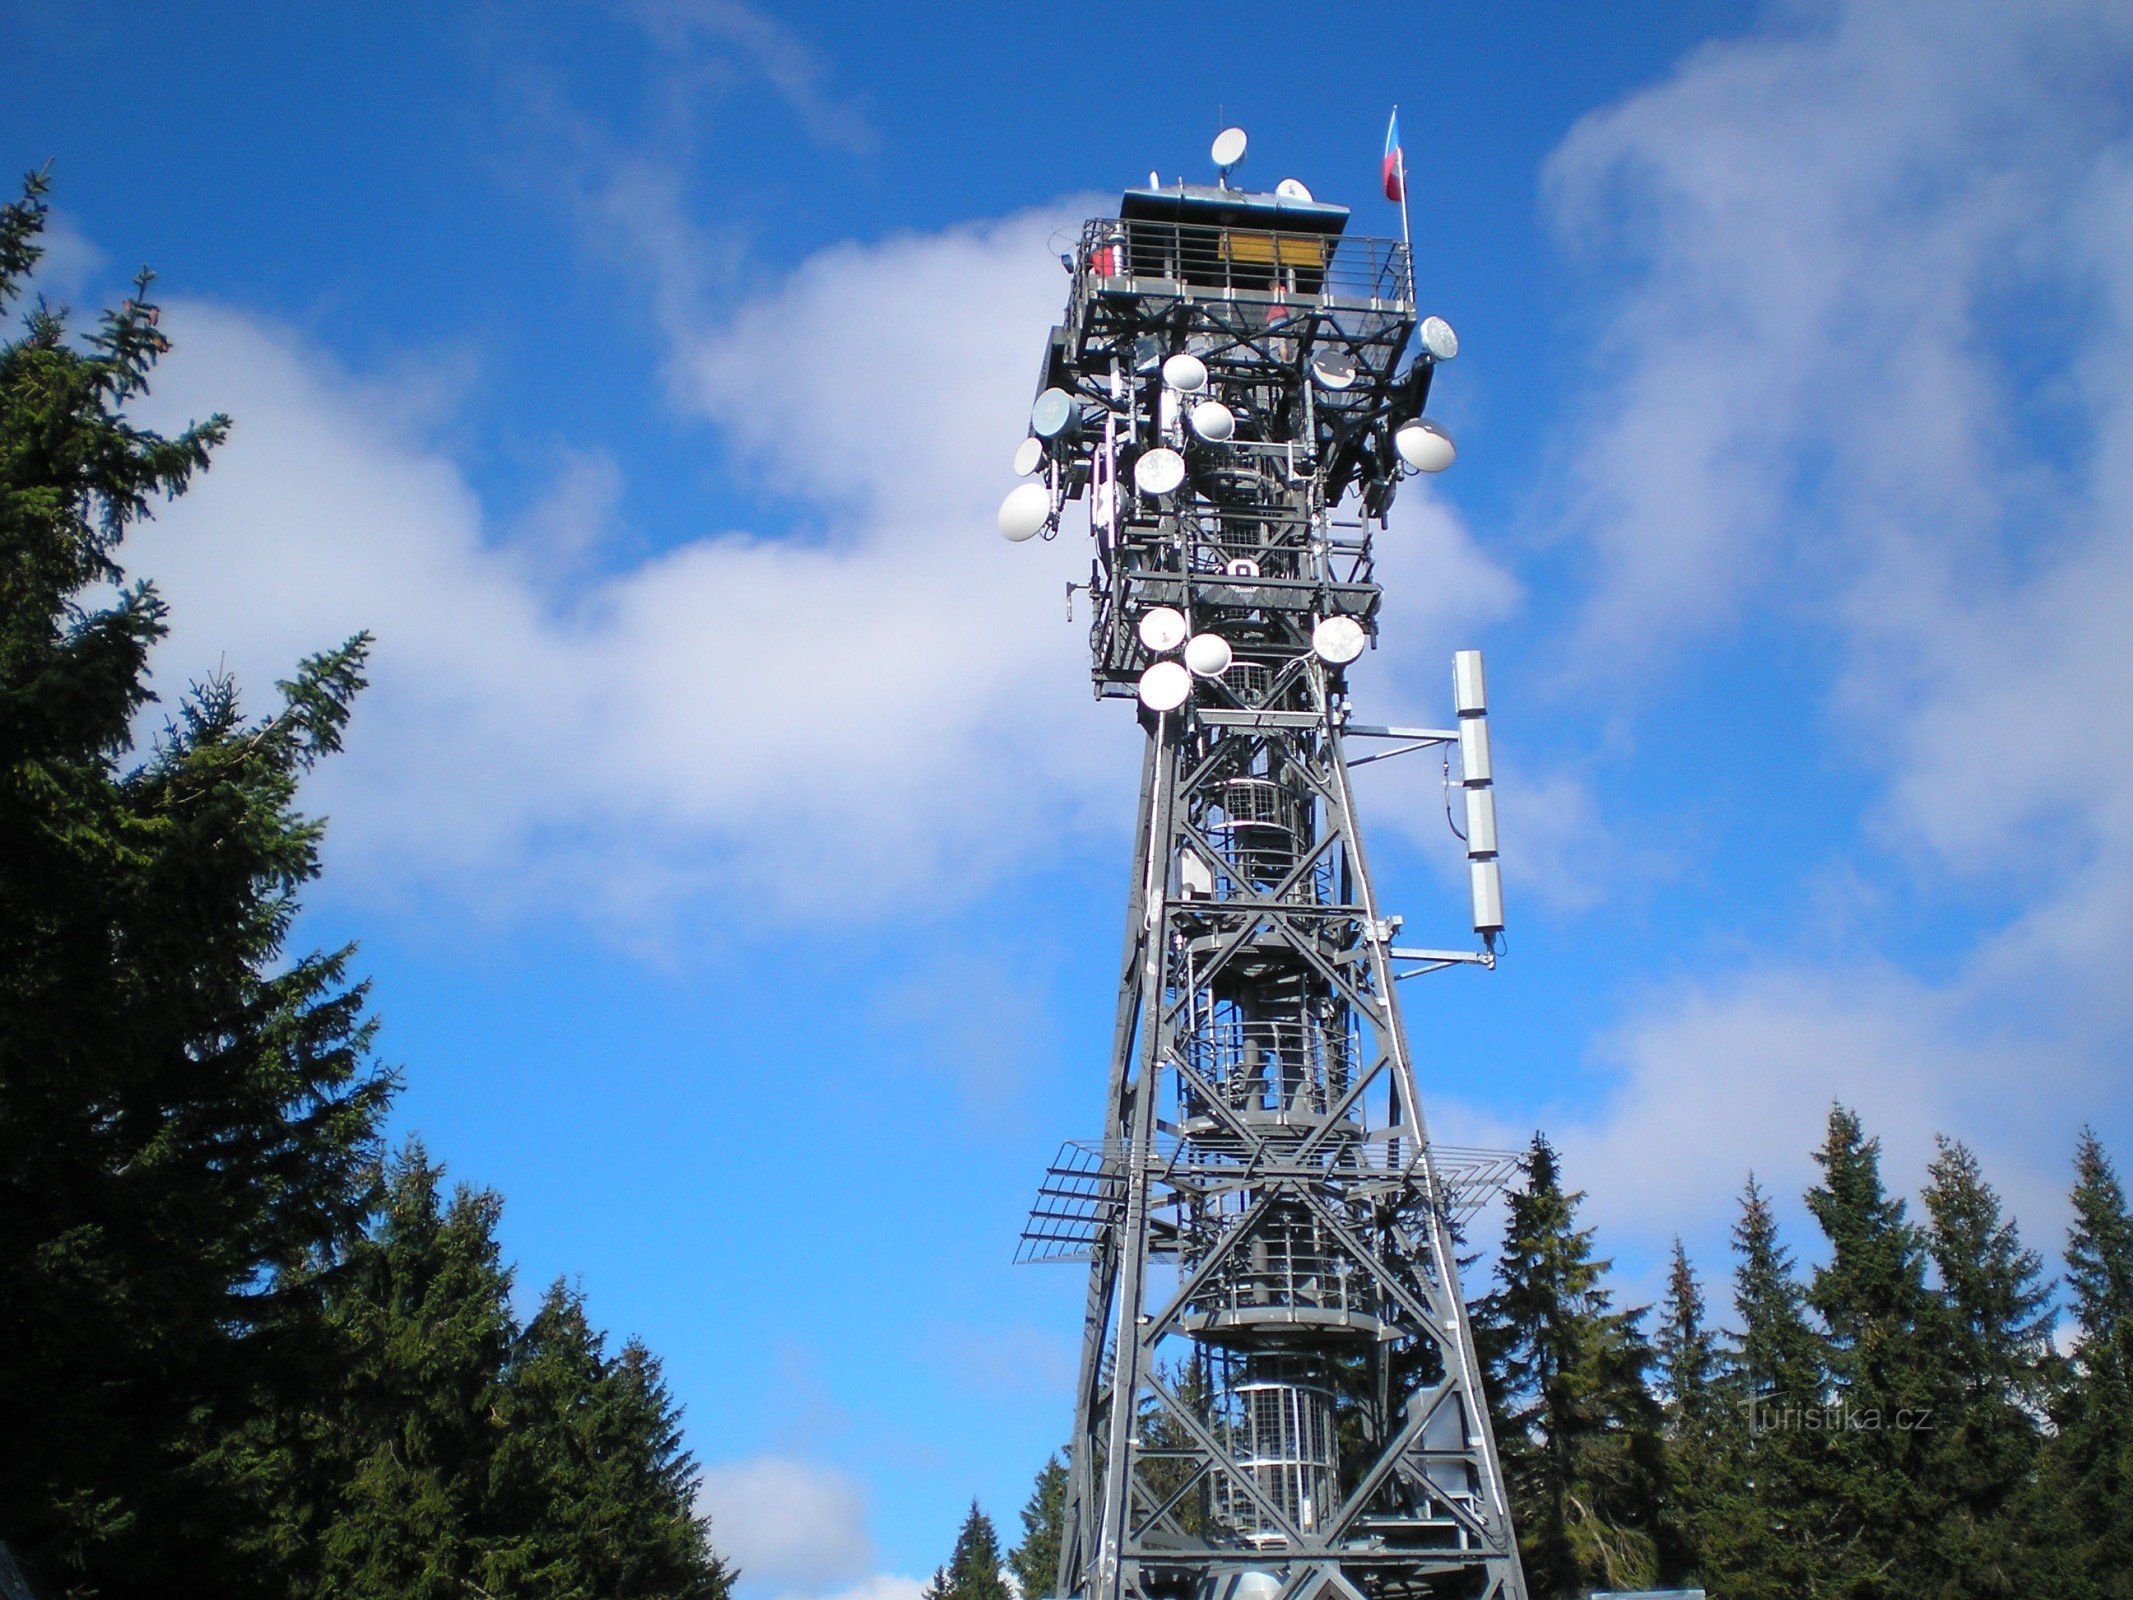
(249, 1345)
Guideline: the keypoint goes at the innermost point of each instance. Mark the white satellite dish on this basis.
(1185, 372)
(1290, 189)
(1438, 338)
(1338, 640)
(1213, 421)
(1054, 414)
(1159, 472)
(1424, 446)
(1208, 655)
(1163, 629)
(1029, 456)
(1333, 369)
(1025, 511)
(1229, 148)
(1165, 686)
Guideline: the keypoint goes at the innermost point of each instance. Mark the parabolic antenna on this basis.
(1213, 421)
(1159, 472)
(1333, 369)
(1185, 372)
(1029, 456)
(1290, 189)
(1208, 655)
(1025, 511)
(1163, 629)
(1229, 148)
(1424, 446)
(1165, 686)
(1438, 338)
(1054, 414)
(1338, 640)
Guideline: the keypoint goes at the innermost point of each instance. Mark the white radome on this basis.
(1159, 472)
(1333, 369)
(1208, 655)
(1163, 629)
(1025, 511)
(1213, 421)
(1185, 372)
(1438, 338)
(1165, 686)
(1229, 148)
(1424, 446)
(1029, 456)
(1338, 640)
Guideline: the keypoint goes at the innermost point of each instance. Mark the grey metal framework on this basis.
(1278, 1395)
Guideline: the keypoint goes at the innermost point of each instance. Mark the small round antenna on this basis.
(1292, 189)
(1229, 149)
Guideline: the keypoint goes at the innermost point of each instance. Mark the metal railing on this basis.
(1147, 257)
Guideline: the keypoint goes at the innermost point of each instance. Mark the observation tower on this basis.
(1278, 1395)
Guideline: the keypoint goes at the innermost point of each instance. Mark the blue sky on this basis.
(729, 834)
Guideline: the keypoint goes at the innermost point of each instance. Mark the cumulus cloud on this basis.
(1871, 345)
(881, 698)
(793, 1527)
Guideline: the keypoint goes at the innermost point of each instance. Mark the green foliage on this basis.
(2077, 1511)
(185, 1116)
(236, 1350)
(1694, 1415)
(1035, 1561)
(975, 1570)
(1764, 1522)
(1576, 1423)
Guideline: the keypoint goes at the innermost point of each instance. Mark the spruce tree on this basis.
(1688, 1370)
(1578, 1428)
(1995, 1366)
(1035, 1561)
(1764, 1529)
(184, 1112)
(1887, 1385)
(590, 1494)
(2079, 1509)
(425, 1309)
(974, 1570)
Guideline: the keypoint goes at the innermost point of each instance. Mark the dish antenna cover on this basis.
(1163, 629)
(1229, 148)
(1333, 369)
(1159, 472)
(1025, 511)
(1338, 640)
(1290, 189)
(1165, 686)
(1424, 446)
(1439, 339)
(1208, 655)
(1213, 421)
(1054, 414)
(1029, 456)
(1185, 372)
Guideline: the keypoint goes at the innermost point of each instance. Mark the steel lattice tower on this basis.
(1278, 1395)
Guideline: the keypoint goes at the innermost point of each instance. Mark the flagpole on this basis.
(1399, 158)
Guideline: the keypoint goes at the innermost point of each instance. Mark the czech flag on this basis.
(1395, 162)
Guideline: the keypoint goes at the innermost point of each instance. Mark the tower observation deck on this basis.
(1278, 1395)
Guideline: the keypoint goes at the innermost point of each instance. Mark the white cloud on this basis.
(881, 1586)
(884, 702)
(792, 1527)
(1872, 369)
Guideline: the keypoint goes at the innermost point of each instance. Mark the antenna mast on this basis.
(1279, 1397)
